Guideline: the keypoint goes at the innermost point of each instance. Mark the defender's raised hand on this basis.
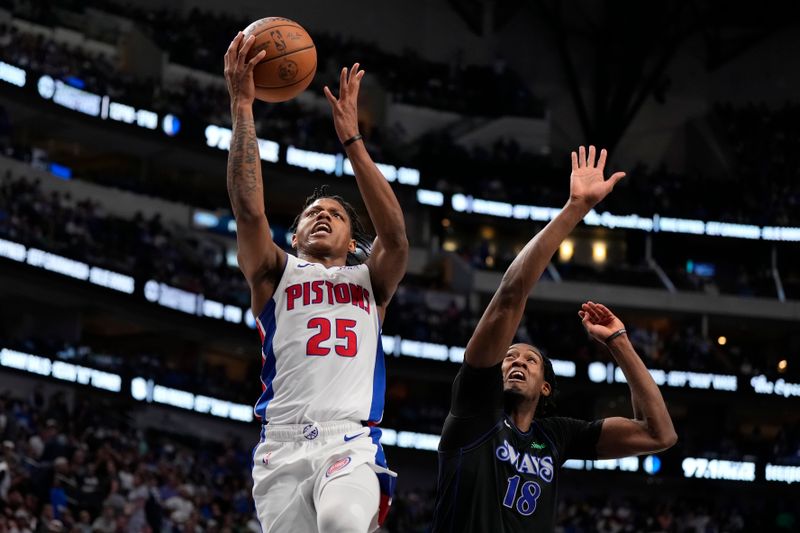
(599, 321)
(239, 72)
(345, 108)
(587, 185)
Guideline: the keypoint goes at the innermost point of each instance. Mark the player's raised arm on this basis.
(389, 255)
(650, 430)
(260, 259)
(500, 321)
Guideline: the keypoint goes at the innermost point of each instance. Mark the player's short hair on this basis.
(357, 232)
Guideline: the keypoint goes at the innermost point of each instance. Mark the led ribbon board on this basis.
(66, 267)
(657, 223)
(60, 370)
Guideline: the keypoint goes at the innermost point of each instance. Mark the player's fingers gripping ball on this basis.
(290, 60)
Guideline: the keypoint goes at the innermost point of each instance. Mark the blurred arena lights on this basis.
(220, 137)
(783, 364)
(197, 304)
(65, 266)
(782, 473)
(146, 390)
(657, 223)
(761, 384)
(426, 197)
(13, 75)
(60, 370)
(722, 340)
(607, 372)
(651, 464)
(171, 125)
(566, 250)
(626, 464)
(702, 468)
(599, 252)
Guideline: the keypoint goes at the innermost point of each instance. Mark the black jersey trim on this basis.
(514, 427)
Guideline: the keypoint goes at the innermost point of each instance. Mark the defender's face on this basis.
(324, 230)
(523, 372)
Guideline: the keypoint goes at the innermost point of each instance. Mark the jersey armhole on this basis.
(271, 302)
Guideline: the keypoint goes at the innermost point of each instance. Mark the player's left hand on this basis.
(345, 108)
(587, 184)
(599, 321)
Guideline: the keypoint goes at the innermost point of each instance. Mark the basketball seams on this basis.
(313, 71)
(297, 26)
(269, 20)
(273, 58)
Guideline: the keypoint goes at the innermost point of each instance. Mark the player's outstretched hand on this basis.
(345, 108)
(587, 185)
(599, 321)
(239, 72)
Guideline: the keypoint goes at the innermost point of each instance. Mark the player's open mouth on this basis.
(516, 375)
(321, 226)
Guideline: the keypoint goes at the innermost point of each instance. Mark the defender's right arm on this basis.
(500, 321)
(260, 259)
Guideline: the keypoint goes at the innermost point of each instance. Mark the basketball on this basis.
(290, 61)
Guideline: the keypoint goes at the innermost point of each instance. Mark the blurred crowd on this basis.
(166, 366)
(147, 249)
(766, 190)
(422, 405)
(80, 468)
(143, 247)
(641, 514)
(199, 39)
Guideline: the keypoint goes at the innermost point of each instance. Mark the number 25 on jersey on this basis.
(346, 344)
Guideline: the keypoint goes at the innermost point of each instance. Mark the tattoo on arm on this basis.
(244, 177)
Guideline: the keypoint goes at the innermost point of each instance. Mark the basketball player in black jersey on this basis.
(499, 458)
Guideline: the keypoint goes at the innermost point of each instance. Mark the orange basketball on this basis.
(291, 59)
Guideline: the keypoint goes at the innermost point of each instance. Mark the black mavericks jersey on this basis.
(493, 478)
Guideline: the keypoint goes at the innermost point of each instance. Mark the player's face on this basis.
(523, 372)
(324, 230)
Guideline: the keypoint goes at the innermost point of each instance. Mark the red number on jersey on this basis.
(344, 331)
(313, 347)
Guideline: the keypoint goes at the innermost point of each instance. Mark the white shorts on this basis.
(293, 463)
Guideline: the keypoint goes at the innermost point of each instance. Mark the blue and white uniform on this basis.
(324, 382)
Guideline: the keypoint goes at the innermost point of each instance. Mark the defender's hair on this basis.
(547, 405)
(357, 232)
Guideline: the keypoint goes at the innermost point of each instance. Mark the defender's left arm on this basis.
(651, 429)
(389, 256)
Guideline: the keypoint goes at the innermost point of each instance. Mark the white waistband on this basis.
(310, 431)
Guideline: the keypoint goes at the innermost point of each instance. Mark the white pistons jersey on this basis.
(321, 350)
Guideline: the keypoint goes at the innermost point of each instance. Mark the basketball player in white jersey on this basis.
(319, 465)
